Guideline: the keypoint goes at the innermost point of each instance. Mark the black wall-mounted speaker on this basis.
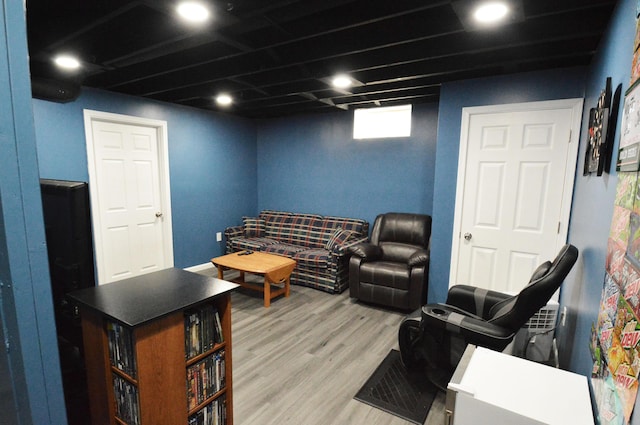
(54, 90)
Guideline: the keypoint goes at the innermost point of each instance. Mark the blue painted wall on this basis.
(212, 163)
(25, 292)
(313, 164)
(529, 87)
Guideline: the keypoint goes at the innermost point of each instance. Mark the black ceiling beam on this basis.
(123, 80)
(285, 73)
(434, 47)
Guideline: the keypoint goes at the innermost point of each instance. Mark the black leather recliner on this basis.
(393, 269)
(435, 336)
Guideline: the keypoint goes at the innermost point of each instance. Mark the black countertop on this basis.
(144, 298)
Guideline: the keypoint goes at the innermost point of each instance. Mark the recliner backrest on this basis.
(400, 234)
(547, 278)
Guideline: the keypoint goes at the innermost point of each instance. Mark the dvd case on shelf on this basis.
(126, 398)
(202, 329)
(121, 351)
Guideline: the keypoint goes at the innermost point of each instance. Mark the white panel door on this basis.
(127, 201)
(513, 194)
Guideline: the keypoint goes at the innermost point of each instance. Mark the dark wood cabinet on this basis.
(153, 309)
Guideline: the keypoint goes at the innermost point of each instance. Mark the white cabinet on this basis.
(496, 388)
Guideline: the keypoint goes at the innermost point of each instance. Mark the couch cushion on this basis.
(253, 227)
(304, 229)
(313, 258)
(251, 244)
(282, 249)
(339, 237)
(309, 230)
(355, 225)
(277, 226)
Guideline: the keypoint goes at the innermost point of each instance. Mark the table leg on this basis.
(287, 287)
(220, 272)
(267, 292)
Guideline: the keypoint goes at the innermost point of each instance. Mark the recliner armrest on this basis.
(367, 251)
(472, 328)
(419, 258)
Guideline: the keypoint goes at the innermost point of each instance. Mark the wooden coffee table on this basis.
(275, 269)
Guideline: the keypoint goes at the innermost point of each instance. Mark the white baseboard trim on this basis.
(230, 274)
(200, 267)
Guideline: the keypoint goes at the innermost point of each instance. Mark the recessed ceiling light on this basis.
(224, 100)
(193, 11)
(491, 12)
(67, 62)
(341, 81)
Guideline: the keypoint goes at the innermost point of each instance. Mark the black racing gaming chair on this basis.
(436, 335)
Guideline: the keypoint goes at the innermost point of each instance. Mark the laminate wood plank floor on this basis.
(301, 361)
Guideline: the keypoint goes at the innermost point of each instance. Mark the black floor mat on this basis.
(392, 389)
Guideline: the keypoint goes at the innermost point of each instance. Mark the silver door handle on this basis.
(468, 236)
(158, 214)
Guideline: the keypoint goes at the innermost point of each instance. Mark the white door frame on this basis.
(570, 169)
(163, 168)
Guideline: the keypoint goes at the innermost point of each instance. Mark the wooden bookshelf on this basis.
(152, 307)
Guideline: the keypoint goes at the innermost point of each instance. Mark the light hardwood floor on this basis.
(301, 361)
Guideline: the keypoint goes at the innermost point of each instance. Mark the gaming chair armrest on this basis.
(473, 299)
(473, 329)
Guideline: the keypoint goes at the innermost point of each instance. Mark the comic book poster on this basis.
(608, 312)
(635, 61)
(626, 190)
(624, 361)
(633, 247)
(615, 259)
(614, 345)
(630, 285)
(607, 399)
(616, 356)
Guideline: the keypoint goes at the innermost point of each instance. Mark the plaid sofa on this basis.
(319, 244)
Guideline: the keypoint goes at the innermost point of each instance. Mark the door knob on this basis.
(467, 236)
(158, 214)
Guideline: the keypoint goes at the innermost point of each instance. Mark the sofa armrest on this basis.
(366, 251)
(342, 249)
(233, 232)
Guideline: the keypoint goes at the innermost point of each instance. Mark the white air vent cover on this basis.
(544, 319)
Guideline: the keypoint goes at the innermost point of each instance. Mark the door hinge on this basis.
(570, 132)
(559, 227)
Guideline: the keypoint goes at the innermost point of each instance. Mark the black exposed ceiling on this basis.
(275, 57)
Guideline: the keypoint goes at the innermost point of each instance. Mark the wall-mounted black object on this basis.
(629, 146)
(54, 90)
(602, 126)
(67, 221)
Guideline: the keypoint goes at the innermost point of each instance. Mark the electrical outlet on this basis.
(219, 237)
